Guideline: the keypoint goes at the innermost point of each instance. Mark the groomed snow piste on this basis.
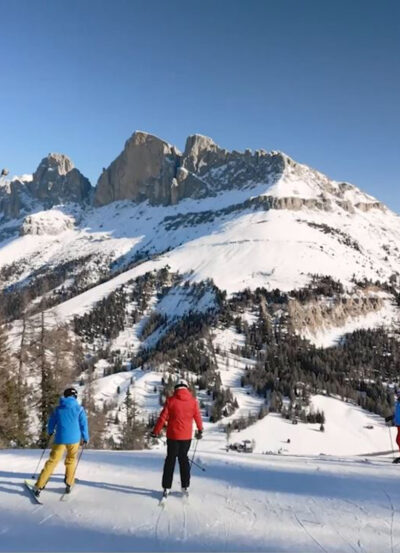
(241, 503)
(327, 492)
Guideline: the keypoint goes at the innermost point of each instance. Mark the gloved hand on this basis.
(198, 435)
(152, 435)
(83, 442)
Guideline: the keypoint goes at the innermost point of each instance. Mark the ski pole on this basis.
(41, 457)
(391, 442)
(194, 453)
(198, 466)
(79, 458)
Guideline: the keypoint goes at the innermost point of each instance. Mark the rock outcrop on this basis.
(146, 169)
(151, 169)
(51, 222)
(55, 181)
(316, 315)
(14, 199)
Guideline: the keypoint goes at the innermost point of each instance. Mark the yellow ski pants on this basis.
(56, 454)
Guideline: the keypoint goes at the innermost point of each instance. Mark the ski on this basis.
(376, 453)
(29, 486)
(185, 496)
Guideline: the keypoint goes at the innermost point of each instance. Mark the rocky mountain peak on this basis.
(198, 148)
(59, 163)
(56, 180)
(144, 170)
(154, 170)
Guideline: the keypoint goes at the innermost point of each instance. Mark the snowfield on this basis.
(241, 503)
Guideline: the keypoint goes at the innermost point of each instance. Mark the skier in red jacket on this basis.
(178, 413)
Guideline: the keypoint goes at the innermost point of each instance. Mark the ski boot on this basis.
(36, 491)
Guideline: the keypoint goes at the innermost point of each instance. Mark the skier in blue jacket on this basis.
(69, 421)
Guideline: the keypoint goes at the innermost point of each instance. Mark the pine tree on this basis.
(48, 391)
(133, 430)
(8, 395)
(22, 435)
(97, 418)
(52, 359)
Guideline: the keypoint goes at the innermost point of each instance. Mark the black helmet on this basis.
(71, 392)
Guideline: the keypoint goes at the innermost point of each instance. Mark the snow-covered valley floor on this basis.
(241, 503)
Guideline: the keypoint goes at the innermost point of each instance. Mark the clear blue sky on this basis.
(318, 79)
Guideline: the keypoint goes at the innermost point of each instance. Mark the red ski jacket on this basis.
(179, 412)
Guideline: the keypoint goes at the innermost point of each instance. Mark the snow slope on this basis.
(346, 432)
(238, 247)
(285, 504)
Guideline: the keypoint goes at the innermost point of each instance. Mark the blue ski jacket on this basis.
(397, 414)
(70, 422)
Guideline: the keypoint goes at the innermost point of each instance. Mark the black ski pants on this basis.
(180, 449)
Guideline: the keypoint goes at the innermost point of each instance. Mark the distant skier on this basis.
(396, 418)
(178, 413)
(69, 421)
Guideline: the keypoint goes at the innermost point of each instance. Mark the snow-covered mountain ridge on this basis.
(261, 210)
(151, 169)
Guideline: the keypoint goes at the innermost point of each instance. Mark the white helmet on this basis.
(181, 383)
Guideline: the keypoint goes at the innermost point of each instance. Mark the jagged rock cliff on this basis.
(316, 315)
(151, 169)
(144, 170)
(55, 181)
